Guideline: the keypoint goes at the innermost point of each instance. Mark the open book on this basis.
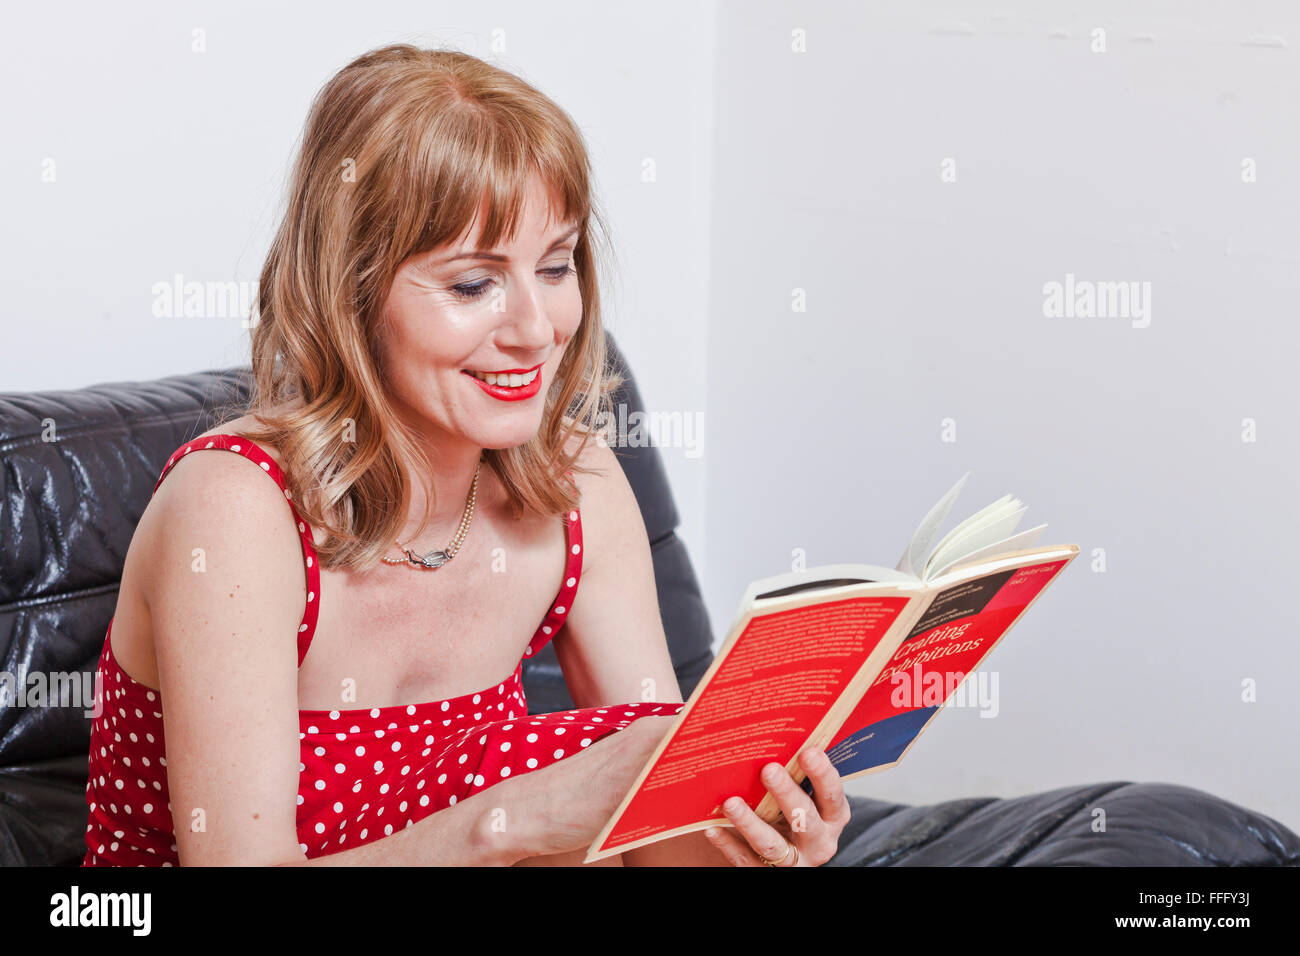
(852, 658)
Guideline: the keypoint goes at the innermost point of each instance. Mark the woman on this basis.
(428, 360)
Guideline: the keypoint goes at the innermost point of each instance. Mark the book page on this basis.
(914, 554)
(768, 689)
(961, 626)
(979, 535)
(1021, 541)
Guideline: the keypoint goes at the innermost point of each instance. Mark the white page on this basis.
(982, 516)
(1017, 542)
(920, 543)
(990, 528)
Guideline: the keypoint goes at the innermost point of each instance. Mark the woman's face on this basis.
(454, 312)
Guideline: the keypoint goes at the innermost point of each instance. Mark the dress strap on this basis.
(254, 452)
(559, 612)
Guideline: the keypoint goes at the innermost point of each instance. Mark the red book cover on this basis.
(761, 700)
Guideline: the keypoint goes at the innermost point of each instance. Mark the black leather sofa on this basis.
(78, 470)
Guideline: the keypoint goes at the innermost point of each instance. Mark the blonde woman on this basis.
(330, 620)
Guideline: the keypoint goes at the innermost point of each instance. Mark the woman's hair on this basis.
(400, 150)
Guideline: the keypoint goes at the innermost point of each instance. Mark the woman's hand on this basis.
(575, 797)
(808, 833)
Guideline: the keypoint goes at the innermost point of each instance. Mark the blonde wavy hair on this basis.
(399, 151)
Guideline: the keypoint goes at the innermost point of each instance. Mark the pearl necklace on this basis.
(438, 557)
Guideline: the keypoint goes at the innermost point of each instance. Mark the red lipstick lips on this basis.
(505, 393)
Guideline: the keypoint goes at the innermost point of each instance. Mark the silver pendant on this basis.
(434, 559)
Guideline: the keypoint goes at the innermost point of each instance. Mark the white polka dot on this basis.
(576, 548)
(532, 762)
(571, 582)
(478, 780)
(558, 753)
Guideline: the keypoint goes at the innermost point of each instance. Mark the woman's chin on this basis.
(501, 439)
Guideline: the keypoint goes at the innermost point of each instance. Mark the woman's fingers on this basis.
(832, 805)
(732, 847)
(763, 838)
(796, 806)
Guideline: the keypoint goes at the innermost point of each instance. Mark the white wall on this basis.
(819, 171)
(925, 302)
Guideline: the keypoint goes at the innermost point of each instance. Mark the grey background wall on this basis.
(834, 224)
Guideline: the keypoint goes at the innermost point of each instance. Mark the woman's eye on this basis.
(473, 290)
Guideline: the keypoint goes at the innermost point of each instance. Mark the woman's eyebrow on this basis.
(497, 257)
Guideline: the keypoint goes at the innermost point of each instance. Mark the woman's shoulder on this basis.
(611, 515)
(237, 492)
(240, 426)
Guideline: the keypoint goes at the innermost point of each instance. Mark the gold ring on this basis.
(788, 848)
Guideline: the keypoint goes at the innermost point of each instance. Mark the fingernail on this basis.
(732, 804)
(772, 773)
(711, 833)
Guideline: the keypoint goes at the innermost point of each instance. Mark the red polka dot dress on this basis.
(364, 773)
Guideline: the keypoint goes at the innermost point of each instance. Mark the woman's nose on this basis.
(526, 318)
